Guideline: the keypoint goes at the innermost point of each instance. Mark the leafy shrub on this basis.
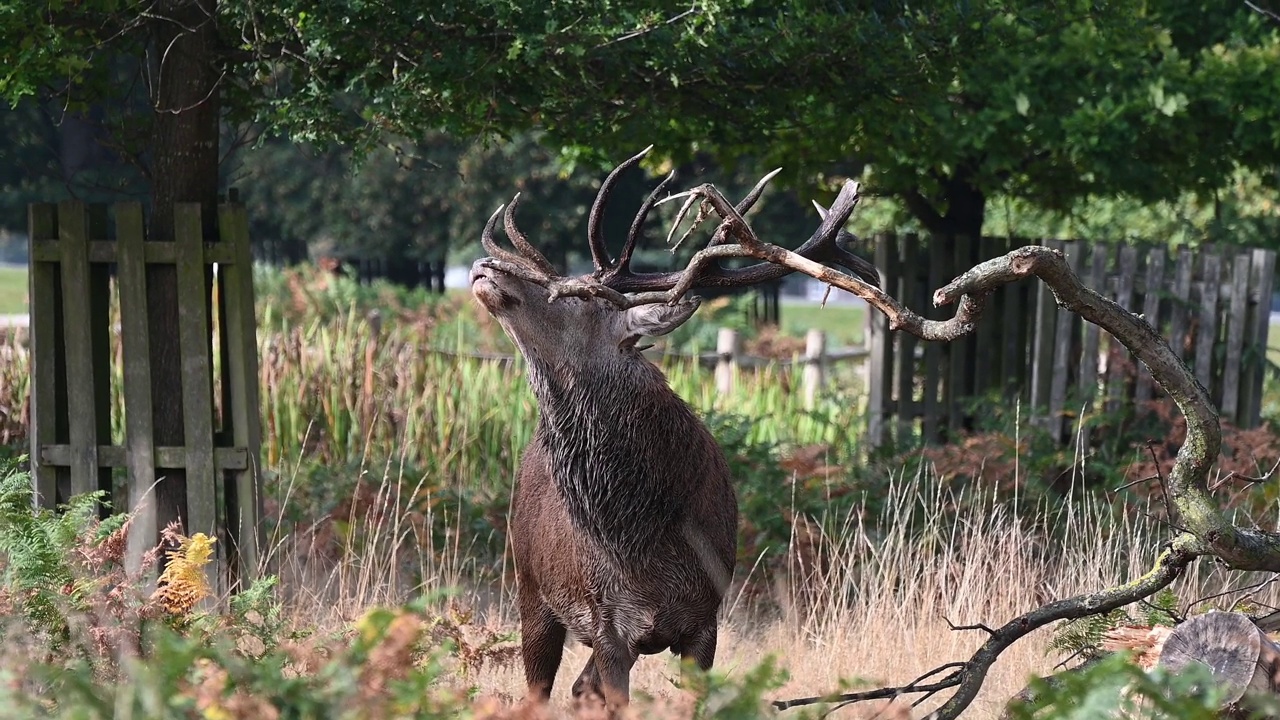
(104, 650)
(1132, 447)
(1115, 687)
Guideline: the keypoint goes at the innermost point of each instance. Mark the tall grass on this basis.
(867, 601)
(342, 384)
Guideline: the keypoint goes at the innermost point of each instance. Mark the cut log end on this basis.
(1240, 657)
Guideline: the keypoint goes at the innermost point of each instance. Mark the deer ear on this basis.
(657, 319)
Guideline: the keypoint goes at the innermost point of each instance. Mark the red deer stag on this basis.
(624, 518)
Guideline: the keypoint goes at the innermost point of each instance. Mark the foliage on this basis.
(1050, 97)
(40, 550)
(1131, 447)
(942, 107)
(1083, 635)
(1115, 687)
(393, 662)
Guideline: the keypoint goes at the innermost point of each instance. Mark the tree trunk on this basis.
(965, 204)
(184, 168)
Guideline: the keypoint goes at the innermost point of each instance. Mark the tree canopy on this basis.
(942, 107)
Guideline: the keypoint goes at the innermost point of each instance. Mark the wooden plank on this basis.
(78, 339)
(197, 392)
(1116, 353)
(1013, 360)
(1151, 312)
(134, 331)
(1238, 309)
(1180, 305)
(1087, 378)
(905, 351)
(1064, 339)
(1253, 369)
(1207, 332)
(933, 351)
(45, 306)
(166, 457)
(987, 335)
(100, 344)
(880, 365)
(1043, 345)
(1261, 284)
(105, 251)
(959, 361)
(244, 496)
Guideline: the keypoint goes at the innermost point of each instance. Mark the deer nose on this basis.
(479, 269)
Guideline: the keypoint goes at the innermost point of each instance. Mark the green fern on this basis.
(256, 611)
(36, 548)
(1082, 635)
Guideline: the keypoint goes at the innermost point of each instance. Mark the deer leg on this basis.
(613, 661)
(541, 645)
(588, 680)
(701, 649)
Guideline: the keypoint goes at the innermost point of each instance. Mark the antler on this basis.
(595, 233)
(826, 245)
(613, 280)
(529, 255)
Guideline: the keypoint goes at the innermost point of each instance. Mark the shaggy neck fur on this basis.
(618, 440)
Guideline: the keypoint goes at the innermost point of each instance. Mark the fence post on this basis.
(815, 371)
(727, 349)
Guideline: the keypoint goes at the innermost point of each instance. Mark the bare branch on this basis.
(1265, 477)
(1207, 531)
(1270, 14)
(975, 626)
(915, 686)
(1164, 490)
(646, 30)
(1139, 481)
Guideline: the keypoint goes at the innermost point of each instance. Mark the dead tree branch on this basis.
(1207, 531)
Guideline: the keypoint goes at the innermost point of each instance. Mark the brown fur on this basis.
(624, 523)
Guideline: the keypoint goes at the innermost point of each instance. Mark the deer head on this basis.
(611, 308)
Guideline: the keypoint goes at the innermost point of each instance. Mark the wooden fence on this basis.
(73, 247)
(1213, 302)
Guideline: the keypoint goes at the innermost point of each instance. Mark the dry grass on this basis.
(874, 610)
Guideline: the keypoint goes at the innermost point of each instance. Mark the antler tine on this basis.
(637, 225)
(492, 247)
(866, 271)
(522, 243)
(820, 247)
(756, 192)
(595, 233)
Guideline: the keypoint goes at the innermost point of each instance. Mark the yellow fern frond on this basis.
(183, 583)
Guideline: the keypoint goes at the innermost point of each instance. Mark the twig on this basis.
(1168, 508)
(1128, 485)
(1072, 656)
(1177, 617)
(645, 31)
(881, 693)
(975, 626)
(970, 674)
(1233, 475)
(1275, 17)
(1253, 587)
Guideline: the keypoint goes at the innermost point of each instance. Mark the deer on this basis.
(624, 516)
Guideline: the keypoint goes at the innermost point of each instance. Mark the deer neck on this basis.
(611, 433)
